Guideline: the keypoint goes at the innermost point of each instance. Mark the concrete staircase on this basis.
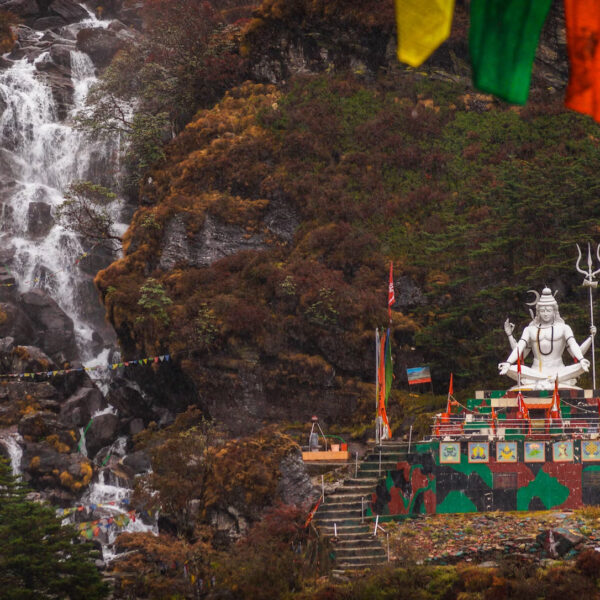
(356, 546)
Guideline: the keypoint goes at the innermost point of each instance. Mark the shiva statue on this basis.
(546, 336)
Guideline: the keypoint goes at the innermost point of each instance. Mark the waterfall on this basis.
(40, 156)
(10, 440)
(41, 153)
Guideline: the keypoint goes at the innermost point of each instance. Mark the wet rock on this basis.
(102, 432)
(107, 9)
(58, 78)
(39, 219)
(138, 462)
(55, 332)
(30, 359)
(69, 10)
(80, 407)
(61, 54)
(100, 44)
(45, 23)
(126, 399)
(15, 323)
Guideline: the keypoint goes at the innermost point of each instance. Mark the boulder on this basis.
(138, 462)
(80, 407)
(46, 23)
(100, 44)
(30, 359)
(135, 426)
(106, 9)
(557, 542)
(55, 332)
(61, 54)
(38, 425)
(102, 432)
(15, 323)
(127, 400)
(61, 84)
(39, 219)
(70, 11)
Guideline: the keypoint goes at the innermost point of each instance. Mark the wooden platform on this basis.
(325, 456)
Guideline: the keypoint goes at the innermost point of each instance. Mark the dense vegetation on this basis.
(40, 558)
(474, 203)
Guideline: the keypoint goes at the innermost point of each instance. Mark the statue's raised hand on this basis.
(503, 367)
(508, 327)
(593, 330)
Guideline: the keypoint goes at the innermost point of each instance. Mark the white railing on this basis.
(576, 426)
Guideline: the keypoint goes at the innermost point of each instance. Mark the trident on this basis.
(590, 282)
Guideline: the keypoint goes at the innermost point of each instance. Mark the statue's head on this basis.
(546, 309)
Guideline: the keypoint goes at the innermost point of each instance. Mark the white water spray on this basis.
(39, 157)
(10, 440)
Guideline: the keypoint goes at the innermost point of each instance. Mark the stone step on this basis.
(344, 496)
(374, 466)
(360, 562)
(369, 541)
(332, 504)
(371, 474)
(344, 530)
(369, 551)
(329, 521)
(361, 482)
(337, 516)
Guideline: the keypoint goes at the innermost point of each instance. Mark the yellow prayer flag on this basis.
(422, 25)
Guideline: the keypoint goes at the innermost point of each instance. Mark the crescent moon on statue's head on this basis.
(537, 297)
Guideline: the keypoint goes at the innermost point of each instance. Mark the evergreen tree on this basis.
(40, 558)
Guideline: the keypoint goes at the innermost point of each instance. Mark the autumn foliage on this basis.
(366, 173)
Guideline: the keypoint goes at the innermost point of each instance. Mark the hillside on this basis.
(270, 224)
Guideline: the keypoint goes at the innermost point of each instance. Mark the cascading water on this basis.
(39, 157)
(41, 153)
(10, 440)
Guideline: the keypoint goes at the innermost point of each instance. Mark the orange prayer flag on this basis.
(582, 19)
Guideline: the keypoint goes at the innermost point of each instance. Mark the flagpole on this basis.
(590, 282)
(376, 369)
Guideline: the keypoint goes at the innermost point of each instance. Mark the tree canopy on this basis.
(39, 557)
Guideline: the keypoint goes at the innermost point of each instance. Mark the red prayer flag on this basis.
(391, 296)
(450, 394)
(555, 410)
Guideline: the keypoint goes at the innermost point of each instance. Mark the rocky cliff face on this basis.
(287, 39)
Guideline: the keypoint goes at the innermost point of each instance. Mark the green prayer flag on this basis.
(503, 37)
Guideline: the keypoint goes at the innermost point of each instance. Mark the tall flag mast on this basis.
(384, 369)
(590, 282)
(391, 296)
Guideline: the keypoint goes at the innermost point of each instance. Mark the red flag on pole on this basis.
(391, 297)
(450, 394)
(555, 410)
